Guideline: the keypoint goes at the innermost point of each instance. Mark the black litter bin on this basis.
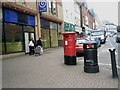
(90, 58)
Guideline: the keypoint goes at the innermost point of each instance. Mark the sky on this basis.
(105, 9)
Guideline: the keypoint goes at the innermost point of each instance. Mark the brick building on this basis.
(91, 19)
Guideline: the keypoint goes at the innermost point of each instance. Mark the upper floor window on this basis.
(54, 7)
(20, 2)
(66, 13)
(50, 6)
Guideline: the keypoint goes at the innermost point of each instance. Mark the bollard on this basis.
(113, 62)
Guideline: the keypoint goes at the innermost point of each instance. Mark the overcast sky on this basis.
(105, 9)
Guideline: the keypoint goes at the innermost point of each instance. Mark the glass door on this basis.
(26, 42)
(32, 36)
(28, 34)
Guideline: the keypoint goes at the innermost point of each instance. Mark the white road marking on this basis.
(104, 64)
(108, 65)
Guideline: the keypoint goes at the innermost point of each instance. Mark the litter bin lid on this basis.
(90, 45)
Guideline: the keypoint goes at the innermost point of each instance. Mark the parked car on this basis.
(79, 45)
(100, 34)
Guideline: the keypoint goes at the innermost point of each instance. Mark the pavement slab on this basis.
(49, 71)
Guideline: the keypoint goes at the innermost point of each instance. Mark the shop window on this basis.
(3, 44)
(53, 34)
(28, 29)
(54, 7)
(14, 37)
(18, 17)
(22, 18)
(45, 35)
(45, 23)
(54, 37)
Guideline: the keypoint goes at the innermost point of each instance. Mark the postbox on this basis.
(69, 48)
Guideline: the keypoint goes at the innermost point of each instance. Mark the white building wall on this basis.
(76, 14)
(77, 18)
(71, 13)
(68, 11)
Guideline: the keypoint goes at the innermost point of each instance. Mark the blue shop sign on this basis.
(42, 6)
(18, 18)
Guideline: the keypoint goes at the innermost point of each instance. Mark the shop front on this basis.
(49, 33)
(17, 30)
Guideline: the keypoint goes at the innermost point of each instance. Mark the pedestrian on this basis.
(97, 40)
(31, 47)
(39, 42)
(35, 43)
(81, 35)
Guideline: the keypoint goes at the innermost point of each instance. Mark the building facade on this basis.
(84, 17)
(68, 13)
(72, 16)
(77, 16)
(84, 14)
(23, 21)
(51, 24)
(91, 20)
(18, 26)
(88, 18)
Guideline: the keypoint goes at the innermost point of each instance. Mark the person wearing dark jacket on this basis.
(39, 42)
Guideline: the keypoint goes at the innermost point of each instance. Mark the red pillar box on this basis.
(69, 48)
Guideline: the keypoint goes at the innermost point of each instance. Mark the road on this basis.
(117, 47)
(113, 43)
(103, 51)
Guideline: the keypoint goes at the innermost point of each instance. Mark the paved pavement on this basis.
(49, 71)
